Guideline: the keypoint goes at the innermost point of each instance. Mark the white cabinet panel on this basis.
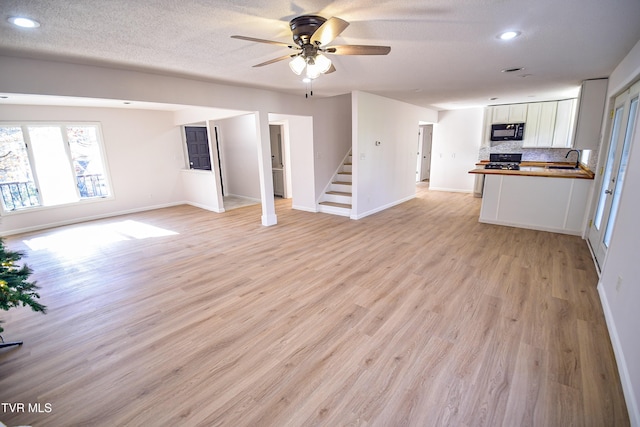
(539, 203)
(500, 114)
(593, 94)
(563, 132)
(547, 124)
(517, 113)
(511, 113)
(540, 124)
(531, 125)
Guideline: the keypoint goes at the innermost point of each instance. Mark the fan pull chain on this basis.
(309, 90)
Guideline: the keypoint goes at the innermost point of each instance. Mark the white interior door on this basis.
(427, 139)
(622, 129)
(423, 165)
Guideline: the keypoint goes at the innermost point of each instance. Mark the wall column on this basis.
(264, 169)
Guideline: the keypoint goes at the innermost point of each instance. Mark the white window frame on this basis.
(24, 125)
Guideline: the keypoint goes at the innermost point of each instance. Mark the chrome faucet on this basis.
(577, 160)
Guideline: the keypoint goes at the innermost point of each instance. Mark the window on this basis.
(50, 164)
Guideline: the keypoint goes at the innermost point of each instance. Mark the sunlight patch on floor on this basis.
(84, 241)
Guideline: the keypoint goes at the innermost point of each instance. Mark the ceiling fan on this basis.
(311, 36)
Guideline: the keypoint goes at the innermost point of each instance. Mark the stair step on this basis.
(339, 193)
(344, 173)
(342, 182)
(336, 205)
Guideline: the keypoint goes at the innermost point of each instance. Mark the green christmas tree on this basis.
(15, 289)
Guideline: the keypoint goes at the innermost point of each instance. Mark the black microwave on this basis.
(507, 131)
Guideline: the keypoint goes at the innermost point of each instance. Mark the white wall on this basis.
(39, 77)
(239, 155)
(384, 174)
(456, 140)
(200, 189)
(332, 137)
(620, 302)
(299, 132)
(144, 156)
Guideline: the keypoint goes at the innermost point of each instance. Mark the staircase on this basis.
(337, 198)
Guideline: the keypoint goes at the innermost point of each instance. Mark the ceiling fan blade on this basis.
(331, 69)
(253, 39)
(328, 31)
(354, 49)
(271, 61)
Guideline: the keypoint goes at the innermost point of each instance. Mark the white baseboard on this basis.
(381, 208)
(450, 190)
(531, 227)
(205, 207)
(304, 208)
(625, 379)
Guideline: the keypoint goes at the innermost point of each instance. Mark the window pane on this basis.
(16, 179)
(608, 168)
(621, 171)
(87, 161)
(52, 166)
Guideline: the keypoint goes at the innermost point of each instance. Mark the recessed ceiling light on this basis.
(23, 22)
(508, 35)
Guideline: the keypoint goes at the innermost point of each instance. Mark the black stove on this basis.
(504, 161)
(503, 166)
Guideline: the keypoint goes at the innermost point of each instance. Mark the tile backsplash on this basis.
(534, 154)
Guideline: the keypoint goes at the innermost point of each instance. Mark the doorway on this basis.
(198, 147)
(423, 165)
(624, 123)
(199, 153)
(277, 160)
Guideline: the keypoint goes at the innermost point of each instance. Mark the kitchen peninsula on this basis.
(540, 196)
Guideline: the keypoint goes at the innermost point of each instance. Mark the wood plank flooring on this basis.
(415, 316)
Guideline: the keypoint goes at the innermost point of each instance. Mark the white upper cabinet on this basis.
(540, 124)
(500, 114)
(518, 113)
(549, 124)
(514, 113)
(532, 122)
(563, 131)
(593, 94)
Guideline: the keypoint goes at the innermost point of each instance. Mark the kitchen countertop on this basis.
(537, 169)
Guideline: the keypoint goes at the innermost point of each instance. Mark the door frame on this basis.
(285, 151)
(619, 102)
(216, 159)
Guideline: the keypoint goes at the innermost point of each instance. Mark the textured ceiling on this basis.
(444, 53)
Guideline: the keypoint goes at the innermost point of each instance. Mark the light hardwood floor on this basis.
(415, 316)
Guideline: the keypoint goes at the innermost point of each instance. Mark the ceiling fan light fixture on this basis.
(297, 64)
(313, 71)
(322, 62)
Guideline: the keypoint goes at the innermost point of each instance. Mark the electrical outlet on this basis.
(619, 284)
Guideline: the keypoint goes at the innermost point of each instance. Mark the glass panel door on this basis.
(608, 169)
(621, 171)
(622, 130)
